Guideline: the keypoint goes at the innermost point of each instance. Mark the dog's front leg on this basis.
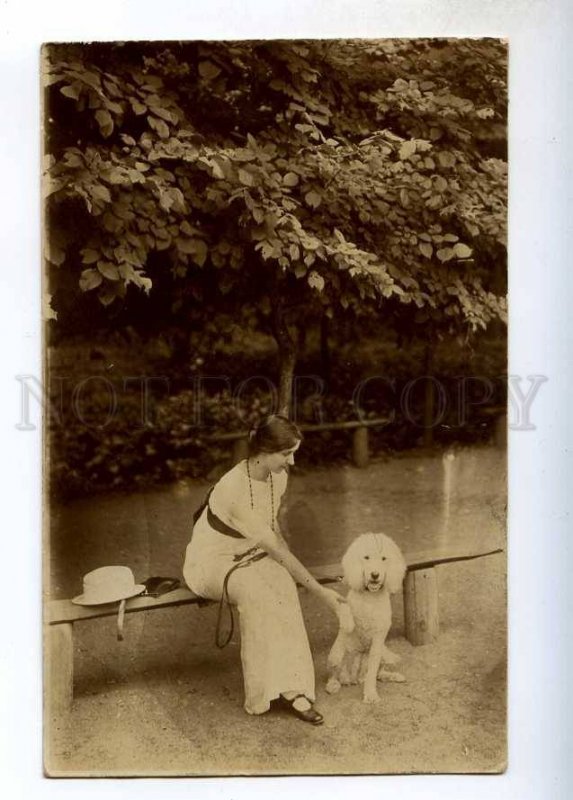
(353, 663)
(373, 663)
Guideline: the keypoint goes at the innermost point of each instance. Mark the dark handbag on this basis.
(156, 586)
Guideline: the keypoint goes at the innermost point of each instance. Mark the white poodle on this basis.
(373, 569)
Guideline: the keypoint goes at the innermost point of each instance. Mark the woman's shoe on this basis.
(308, 715)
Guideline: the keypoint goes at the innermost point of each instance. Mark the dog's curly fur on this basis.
(374, 568)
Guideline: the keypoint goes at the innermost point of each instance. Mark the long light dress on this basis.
(275, 652)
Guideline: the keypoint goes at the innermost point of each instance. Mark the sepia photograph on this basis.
(275, 419)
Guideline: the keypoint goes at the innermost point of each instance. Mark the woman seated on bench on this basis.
(237, 550)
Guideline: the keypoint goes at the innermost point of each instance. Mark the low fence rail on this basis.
(360, 439)
(360, 448)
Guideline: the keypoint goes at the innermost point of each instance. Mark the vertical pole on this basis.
(421, 606)
(360, 454)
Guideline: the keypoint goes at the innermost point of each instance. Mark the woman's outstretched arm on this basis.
(254, 529)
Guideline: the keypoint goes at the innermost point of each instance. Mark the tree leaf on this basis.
(105, 122)
(267, 250)
(90, 256)
(217, 171)
(445, 254)
(72, 91)
(146, 284)
(47, 310)
(100, 192)
(313, 199)
(107, 297)
(108, 270)
(209, 71)
(162, 128)
(315, 281)
(246, 178)
(201, 252)
(196, 248)
(162, 112)
(440, 184)
(462, 250)
(115, 175)
(90, 279)
(258, 214)
(426, 249)
(54, 253)
(451, 237)
(290, 179)
(137, 106)
(447, 159)
(91, 78)
(407, 149)
(188, 229)
(294, 252)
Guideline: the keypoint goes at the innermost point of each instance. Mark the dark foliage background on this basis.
(280, 209)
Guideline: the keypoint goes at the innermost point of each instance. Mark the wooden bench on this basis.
(421, 615)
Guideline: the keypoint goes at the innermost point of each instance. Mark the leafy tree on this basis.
(308, 179)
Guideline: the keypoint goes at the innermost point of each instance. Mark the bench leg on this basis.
(59, 674)
(421, 606)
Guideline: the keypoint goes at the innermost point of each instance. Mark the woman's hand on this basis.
(340, 606)
(332, 599)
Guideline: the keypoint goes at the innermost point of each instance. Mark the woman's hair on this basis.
(272, 434)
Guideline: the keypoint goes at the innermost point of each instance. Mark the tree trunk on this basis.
(287, 356)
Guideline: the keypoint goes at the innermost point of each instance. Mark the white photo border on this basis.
(541, 287)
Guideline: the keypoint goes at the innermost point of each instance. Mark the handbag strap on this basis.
(225, 602)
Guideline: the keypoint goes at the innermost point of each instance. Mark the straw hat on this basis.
(108, 585)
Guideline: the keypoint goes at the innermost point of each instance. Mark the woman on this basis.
(237, 550)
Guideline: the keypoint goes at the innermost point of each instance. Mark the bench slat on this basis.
(66, 611)
(59, 611)
(432, 556)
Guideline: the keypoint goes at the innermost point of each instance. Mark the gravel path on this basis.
(166, 702)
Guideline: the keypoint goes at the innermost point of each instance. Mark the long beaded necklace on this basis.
(272, 496)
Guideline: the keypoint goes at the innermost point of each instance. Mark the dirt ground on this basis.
(166, 701)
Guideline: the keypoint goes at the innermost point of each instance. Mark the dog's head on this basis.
(374, 562)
